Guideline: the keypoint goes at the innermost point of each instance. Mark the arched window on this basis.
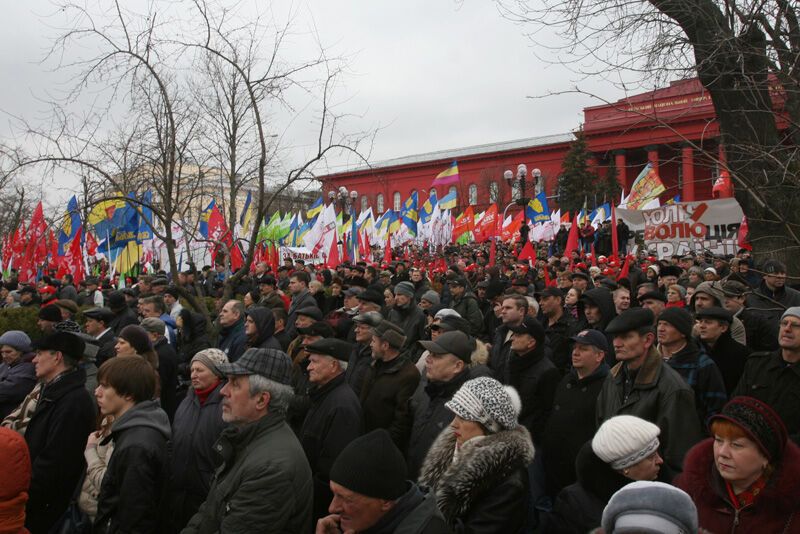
(473, 195)
(364, 203)
(379, 203)
(494, 192)
(397, 201)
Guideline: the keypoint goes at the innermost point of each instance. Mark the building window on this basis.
(379, 203)
(516, 193)
(364, 203)
(494, 192)
(397, 201)
(473, 195)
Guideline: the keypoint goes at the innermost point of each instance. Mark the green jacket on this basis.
(263, 484)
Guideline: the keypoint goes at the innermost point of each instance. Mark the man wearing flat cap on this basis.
(389, 384)
(56, 418)
(361, 354)
(334, 417)
(713, 327)
(98, 325)
(772, 296)
(264, 481)
(642, 384)
(407, 314)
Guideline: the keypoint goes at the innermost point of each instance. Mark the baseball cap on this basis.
(591, 337)
(456, 343)
(530, 326)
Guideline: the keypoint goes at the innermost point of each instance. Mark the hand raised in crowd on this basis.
(330, 525)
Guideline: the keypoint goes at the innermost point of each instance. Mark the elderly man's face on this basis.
(238, 406)
(356, 512)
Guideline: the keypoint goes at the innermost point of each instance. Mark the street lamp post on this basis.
(520, 180)
(347, 204)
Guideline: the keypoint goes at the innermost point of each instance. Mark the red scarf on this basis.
(202, 394)
(748, 496)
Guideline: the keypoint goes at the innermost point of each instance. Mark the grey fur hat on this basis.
(647, 507)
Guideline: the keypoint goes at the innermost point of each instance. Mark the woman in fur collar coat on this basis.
(477, 467)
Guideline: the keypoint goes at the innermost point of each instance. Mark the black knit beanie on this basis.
(137, 337)
(759, 421)
(680, 319)
(373, 466)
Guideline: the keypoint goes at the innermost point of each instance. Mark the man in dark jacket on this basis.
(596, 306)
(259, 327)
(466, 304)
(301, 298)
(713, 327)
(389, 384)
(446, 369)
(772, 296)
(167, 364)
(123, 314)
(761, 332)
(409, 317)
(232, 338)
(571, 423)
(98, 321)
(533, 375)
(333, 419)
(267, 288)
(558, 325)
(421, 283)
(56, 432)
(372, 493)
(134, 484)
(641, 384)
(264, 481)
(361, 354)
(774, 377)
(17, 371)
(512, 312)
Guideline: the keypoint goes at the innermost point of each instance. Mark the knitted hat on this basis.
(680, 319)
(759, 421)
(50, 313)
(432, 297)
(372, 466)
(488, 402)
(625, 440)
(17, 340)
(137, 337)
(211, 358)
(647, 507)
(794, 311)
(154, 325)
(404, 288)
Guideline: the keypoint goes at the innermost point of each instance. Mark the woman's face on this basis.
(388, 297)
(202, 377)
(123, 348)
(689, 294)
(572, 297)
(465, 430)
(673, 296)
(647, 469)
(739, 461)
(248, 300)
(10, 354)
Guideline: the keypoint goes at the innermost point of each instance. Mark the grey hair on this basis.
(279, 394)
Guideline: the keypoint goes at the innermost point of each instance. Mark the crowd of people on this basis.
(439, 392)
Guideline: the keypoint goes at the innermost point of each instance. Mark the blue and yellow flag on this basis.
(315, 209)
(386, 221)
(70, 226)
(537, 209)
(204, 215)
(427, 208)
(247, 213)
(449, 201)
(409, 215)
(146, 216)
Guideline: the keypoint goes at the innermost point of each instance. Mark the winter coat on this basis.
(97, 459)
(730, 357)
(106, 350)
(578, 508)
(430, 417)
(132, 491)
(332, 422)
(192, 339)
(570, 425)
(772, 304)
(500, 353)
(714, 289)
(195, 429)
(15, 464)
(415, 512)
(265, 330)
(263, 481)
(123, 318)
(56, 437)
(413, 322)
(484, 489)
(535, 378)
(168, 375)
(304, 299)
(557, 338)
(775, 509)
(385, 395)
(659, 395)
(273, 300)
(704, 377)
(761, 333)
(467, 307)
(16, 381)
(357, 366)
(604, 300)
(767, 378)
(232, 340)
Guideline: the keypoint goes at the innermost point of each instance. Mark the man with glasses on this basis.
(774, 377)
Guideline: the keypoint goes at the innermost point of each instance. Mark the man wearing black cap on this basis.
(641, 384)
(465, 303)
(678, 348)
(446, 369)
(772, 296)
(361, 354)
(56, 432)
(123, 314)
(264, 481)
(655, 301)
(713, 326)
(571, 423)
(49, 315)
(98, 321)
(334, 417)
(761, 334)
(557, 326)
(372, 493)
(267, 288)
(93, 297)
(389, 384)
(370, 300)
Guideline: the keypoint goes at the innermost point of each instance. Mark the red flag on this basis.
(35, 246)
(742, 237)
(614, 237)
(333, 255)
(487, 226)
(387, 252)
(594, 256)
(73, 257)
(572, 239)
(625, 268)
(91, 244)
(218, 231)
(527, 252)
(547, 281)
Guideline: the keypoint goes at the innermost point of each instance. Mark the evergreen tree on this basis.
(576, 182)
(608, 188)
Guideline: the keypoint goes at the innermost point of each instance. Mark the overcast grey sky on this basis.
(433, 74)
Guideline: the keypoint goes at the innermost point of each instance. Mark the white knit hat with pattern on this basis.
(625, 440)
(486, 401)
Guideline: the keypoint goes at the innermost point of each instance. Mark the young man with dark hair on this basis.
(133, 486)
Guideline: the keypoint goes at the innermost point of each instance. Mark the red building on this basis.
(674, 128)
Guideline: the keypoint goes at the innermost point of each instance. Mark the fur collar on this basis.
(648, 373)
(482, 464)
(700, 480)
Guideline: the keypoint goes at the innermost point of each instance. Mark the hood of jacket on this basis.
(144, 414)
(603, 299)
(482, 464)
(265, 325)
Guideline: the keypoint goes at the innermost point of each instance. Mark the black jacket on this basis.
(168, 375)
(772, 304)
(558, 341)
(192, 338)
(430, 417)
(358, 366)
(467, 307)
(194, 431)
(704, 377)
(730, 357)
(571, 424)
(415, 512)
(232, 340)
(106, 343)
(500, 353)
(604, 300)
(387, 388)
(332, 422)
(56, 437)
(134, 485)
(761, 333)
(412, 321)
(123, 318)
(535, 378)
(265, 330)
(16, 382)
(768, 378)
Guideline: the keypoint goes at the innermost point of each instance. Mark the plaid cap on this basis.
(273, 364)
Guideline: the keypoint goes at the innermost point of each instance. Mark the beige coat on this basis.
(97, 459)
